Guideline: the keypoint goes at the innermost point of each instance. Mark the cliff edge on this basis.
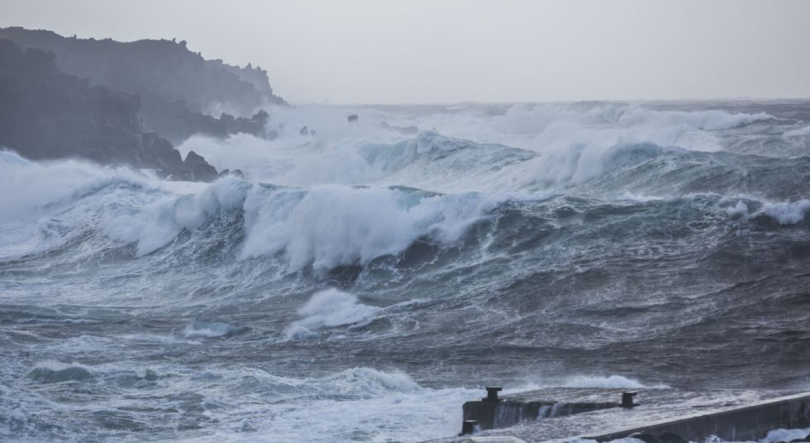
(181, 92)
(47, 114)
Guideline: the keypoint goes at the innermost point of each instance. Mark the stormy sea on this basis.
(362, 278)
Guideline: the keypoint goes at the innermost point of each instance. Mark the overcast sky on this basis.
(440, 51)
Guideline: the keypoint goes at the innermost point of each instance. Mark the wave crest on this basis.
(331, 226)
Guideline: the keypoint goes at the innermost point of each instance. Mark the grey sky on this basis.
(414, 51)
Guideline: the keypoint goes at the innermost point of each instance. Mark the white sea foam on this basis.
(738, 210)
(250, 403)
(612, 381)
(325, 226)
(578, 162)
(543, 126)
(329, 308)
(29, 188)
(347, 406)
(785, 435)
(37, 196)
(583, 381)
(330, 226)
(418, 161)
(159, 223)
(369, 383)
(787, 213)
(575, 142)
(209, 329)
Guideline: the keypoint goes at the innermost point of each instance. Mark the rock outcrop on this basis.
(179, 124)
(178, 88)
(46, 114)
(198, 169)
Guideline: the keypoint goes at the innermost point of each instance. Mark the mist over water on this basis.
(375, 275)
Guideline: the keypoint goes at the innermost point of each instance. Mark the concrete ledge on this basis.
(511, 412)
(732, 414)
(747, 423)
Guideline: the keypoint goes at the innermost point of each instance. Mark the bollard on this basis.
(468, 427)
(627, 399)
(492, 395)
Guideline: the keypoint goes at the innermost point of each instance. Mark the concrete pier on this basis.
(536, 405)
(569, 414)
(747, 423)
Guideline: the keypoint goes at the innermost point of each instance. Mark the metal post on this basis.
(492, 394)
(627, 399)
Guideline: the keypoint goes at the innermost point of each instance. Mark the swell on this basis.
(486, 148)
(393, 238)
(328, 226)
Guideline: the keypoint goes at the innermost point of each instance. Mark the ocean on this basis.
(366, 278)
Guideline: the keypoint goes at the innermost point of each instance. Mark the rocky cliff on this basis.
(179, 89)
(47, 114)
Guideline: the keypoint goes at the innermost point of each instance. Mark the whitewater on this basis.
(362, 280)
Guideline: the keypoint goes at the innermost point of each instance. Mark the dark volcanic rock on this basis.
(198, 169)
(46, 114)
(196, 123)
(177, 87)
(178, 124)
(161, 154)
